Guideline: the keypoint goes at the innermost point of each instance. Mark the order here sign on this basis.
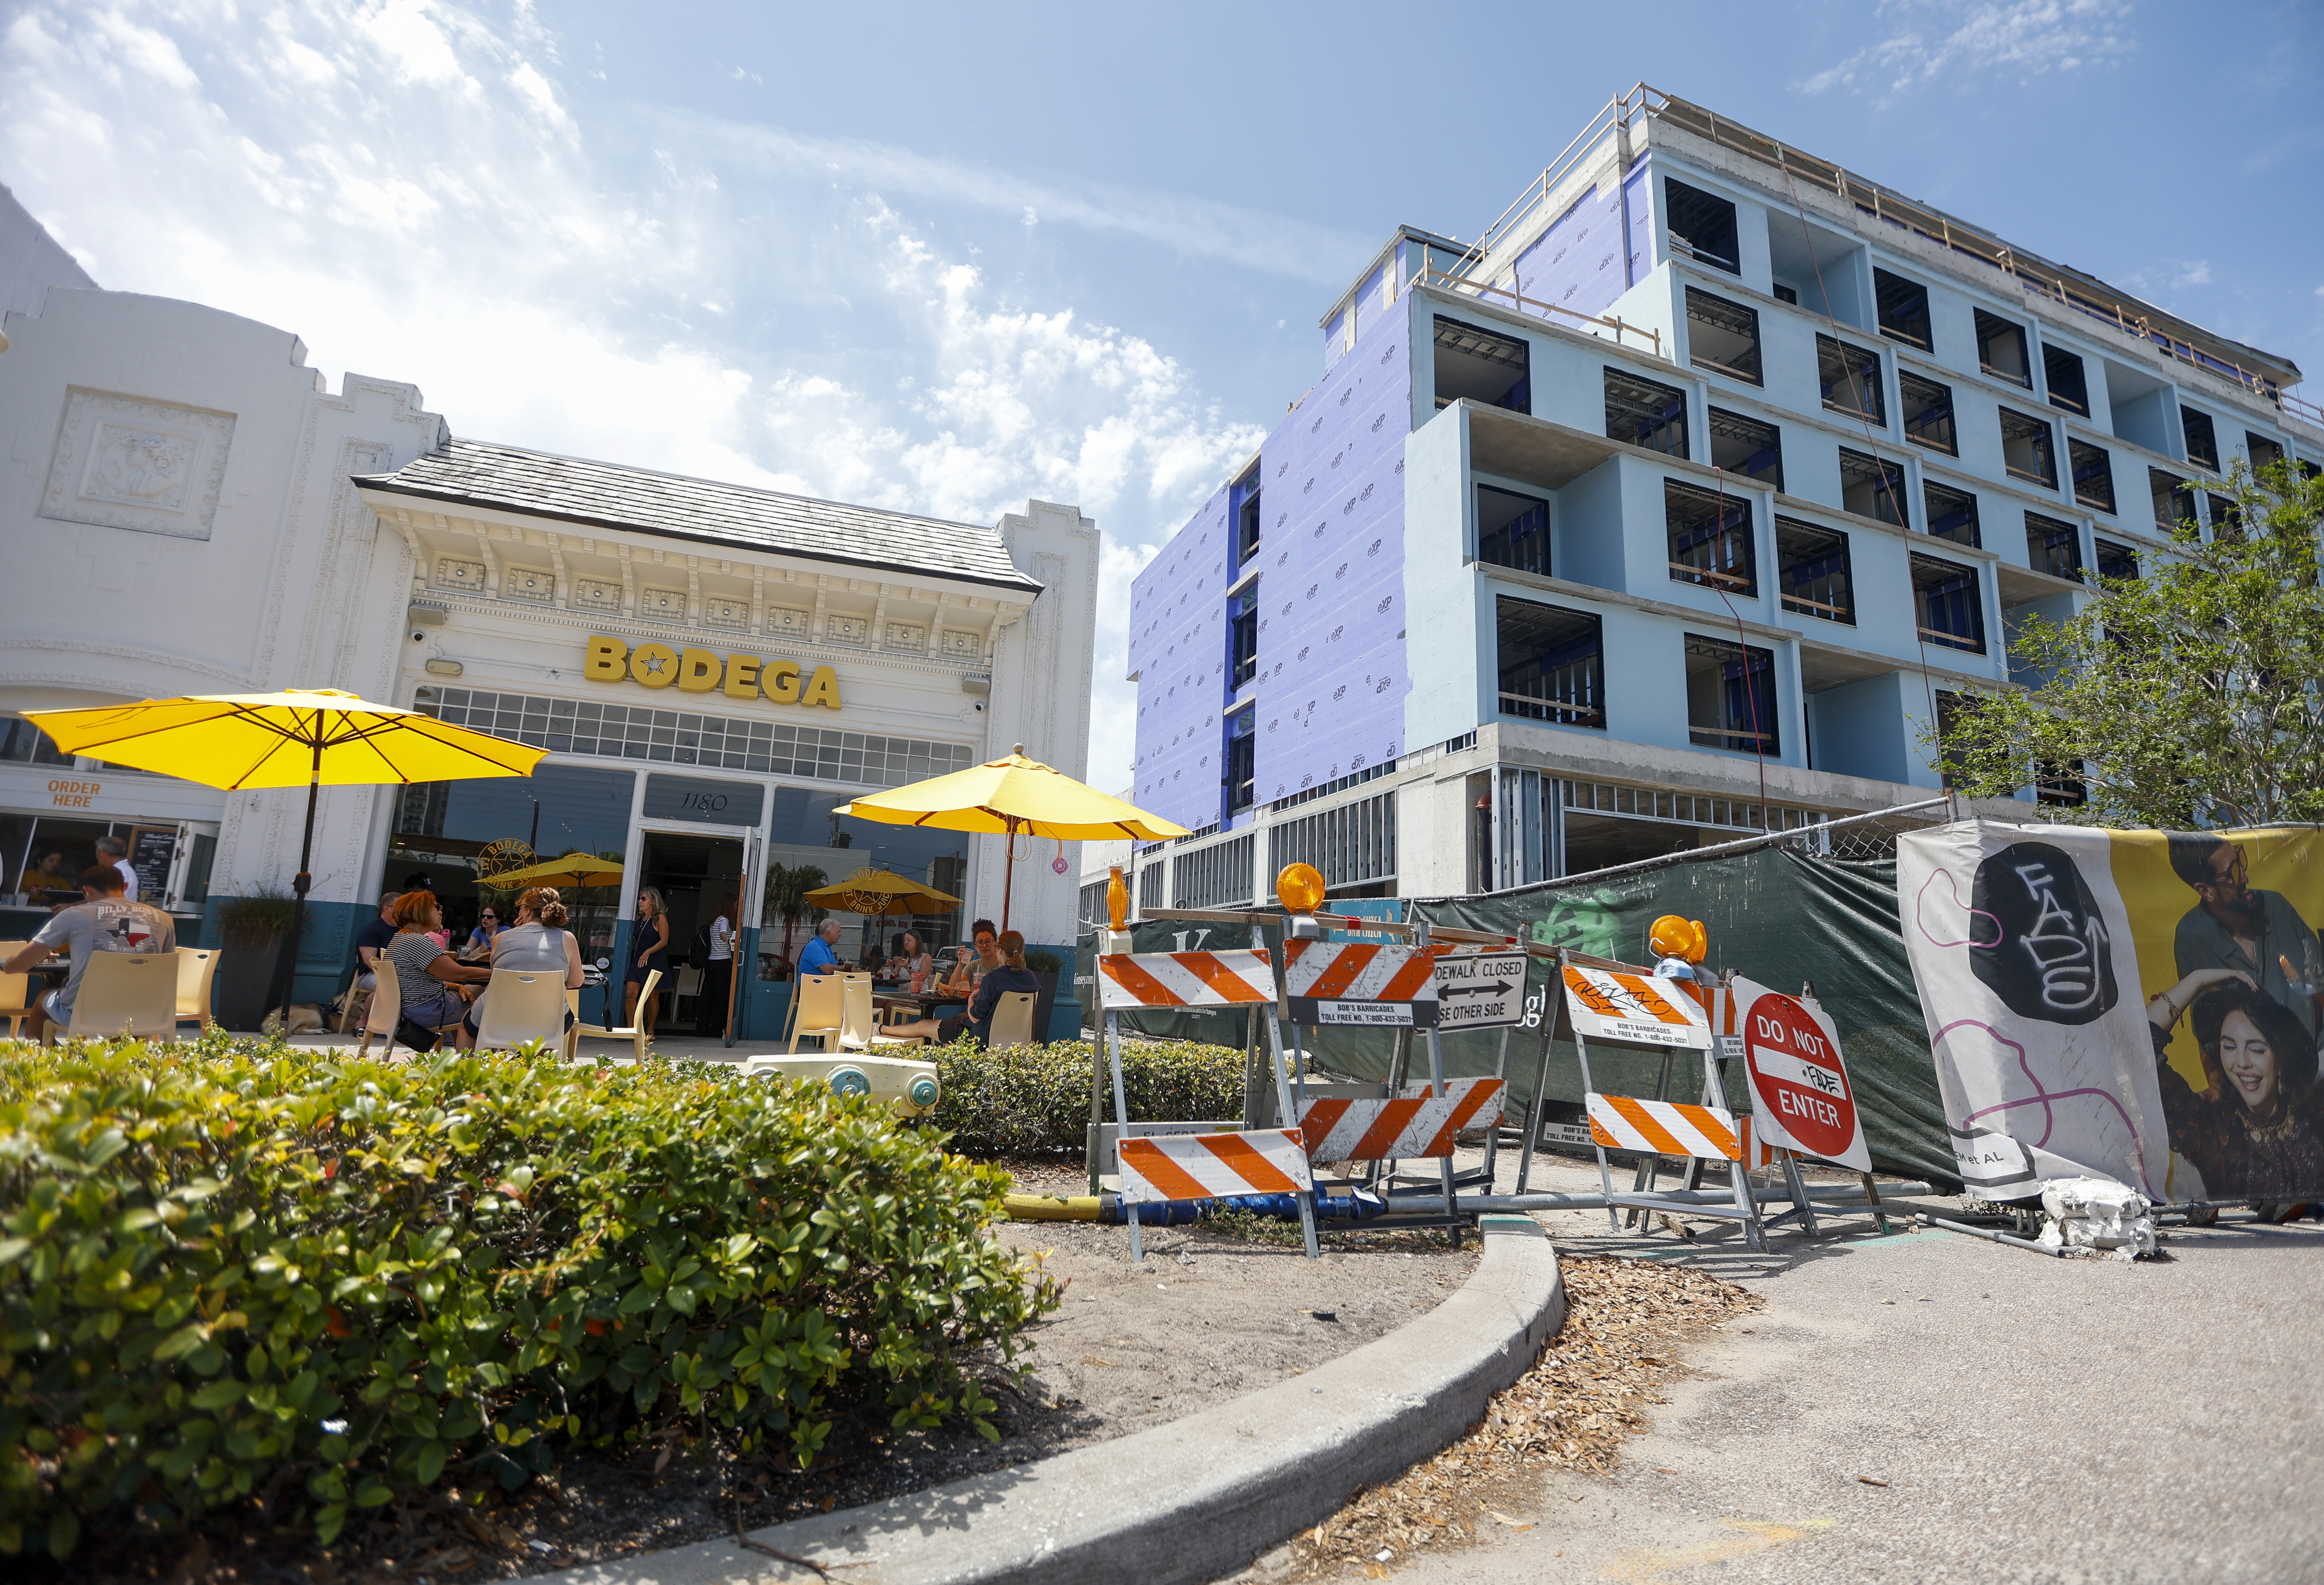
(1802, 1098)
(698, 671)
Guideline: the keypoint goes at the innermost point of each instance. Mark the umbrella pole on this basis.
(1009, 875)
(289, 972)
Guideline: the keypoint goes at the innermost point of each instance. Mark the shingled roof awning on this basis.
(608, 495)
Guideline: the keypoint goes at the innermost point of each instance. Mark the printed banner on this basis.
(2139, 1006)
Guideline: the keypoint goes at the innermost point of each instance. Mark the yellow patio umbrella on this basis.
(311, 736)
(573, 870)
(877, 892)
(1011, 795)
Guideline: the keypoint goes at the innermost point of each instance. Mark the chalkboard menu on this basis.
(152, 850)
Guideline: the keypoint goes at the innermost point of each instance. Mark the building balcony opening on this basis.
(2174, 502)
(1482, 366)
(2001, 349)
(1730, 696)
(1813, 562)
(1247, 522)
(1928, 414)
(1710, 538)
(2093, 474)
(1243, 628)
(2069, 387)
(2117, 561)
(1747, 446)
(2227, 517)
(1513, 530)
(1644, 413)
(2052, 546)
(1904, 309)
(2202, 439)
(1850, 379)
(1722, 336)
(1872, 486)
(1952, 514)
(2060, 783)
(1552, 664)
(1241, 759)
(2028, 448)
(1950, 608)
(2264, 452)
(1702, 227)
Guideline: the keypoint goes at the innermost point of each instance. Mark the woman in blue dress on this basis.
(649, 954)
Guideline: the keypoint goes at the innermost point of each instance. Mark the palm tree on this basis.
(787, 889)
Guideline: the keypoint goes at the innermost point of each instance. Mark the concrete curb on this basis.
(1195, 1498)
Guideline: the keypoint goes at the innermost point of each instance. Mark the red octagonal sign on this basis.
(1798, 1079)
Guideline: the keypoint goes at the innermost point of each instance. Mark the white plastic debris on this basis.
(2097, 1216)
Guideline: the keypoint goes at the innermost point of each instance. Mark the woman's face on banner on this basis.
(2249, 1061)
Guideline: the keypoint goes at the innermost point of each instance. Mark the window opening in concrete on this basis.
(1722, 335)
(1709, 545)
(2093, 474)
(1790, 294)
(1354, 844)
(1645, 413)
(1702, 227)
(2202, 439)
(1872, 486)
(1850, 379)
(2001, 349)
(1149, 886)
(1951, 709)
(1815, 574)
(2060, 784)
(1928, 414)
(2263, 451)
(2308, 469)
(2028, 450)
(2117, 561)
(1512, 530)
(1952, 514)
(1747, 446)
(1552, 664)
(1241, 759)
(1242, 622)
(1216, 876)
(1730, 696)
(1247, 528)
(1904, 309)
(1482, 366)
(1950, 610)
(2174, 502)
(25, 744)
(2052, 546)
(2227, 517)
(2068, 386)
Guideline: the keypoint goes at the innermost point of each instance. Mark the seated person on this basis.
(103, 920)
(427, 976)
(49, 874)
(538, 942)
(1009, 974)
(912, 964)
(479, 943)
(371, 939)
(821, 954)
(969, 972)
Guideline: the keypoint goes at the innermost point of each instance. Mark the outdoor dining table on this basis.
(923, 1004)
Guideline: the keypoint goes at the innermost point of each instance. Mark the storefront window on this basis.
(24, 742)
(805, 833)
(44, 857)
(460, 834)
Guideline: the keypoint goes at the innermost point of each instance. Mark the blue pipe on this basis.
(1355, 1206)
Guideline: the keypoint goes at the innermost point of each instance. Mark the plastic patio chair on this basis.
(197, 968)
(126, 994)
(687, 985)
(818, 1004)
(859, 1023)
(15, 991)
(1012, 1019)
(522, 1005)
(636, 1033)
(346, 1018)
(386, 1012)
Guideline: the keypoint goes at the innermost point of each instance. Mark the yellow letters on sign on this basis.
(607, 662)
(698, 671)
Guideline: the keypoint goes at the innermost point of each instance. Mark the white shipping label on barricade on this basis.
(1408, 1127)
(1663, 1127)
(1479, 990)
(1211, 1166)
(1360, 983)
(1227, 978)
(1799, 1091)
(1636, 1009)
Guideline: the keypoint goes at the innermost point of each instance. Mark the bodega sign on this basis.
(697, 671)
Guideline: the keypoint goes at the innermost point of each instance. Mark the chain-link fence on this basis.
(1862, 837)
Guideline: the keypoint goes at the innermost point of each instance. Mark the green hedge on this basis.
(1026, 1100)
(237, 1273)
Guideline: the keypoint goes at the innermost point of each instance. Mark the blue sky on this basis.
(942, 258)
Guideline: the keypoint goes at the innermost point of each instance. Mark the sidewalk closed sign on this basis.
(1801, 1096)
(1479, 990)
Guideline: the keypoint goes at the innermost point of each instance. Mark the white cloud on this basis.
(2021, 38)
(538, 292)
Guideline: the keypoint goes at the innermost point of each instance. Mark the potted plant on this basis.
(1044, 966)
(254, 929)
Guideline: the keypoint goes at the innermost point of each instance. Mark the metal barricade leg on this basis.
(1554, 1008)
(1605, 1177)
(1122, 1133)
(1798, 1188)
(1650, 1167)
(1291, 1120)
(1493, 1133)
(1250, 1079)
(1436, 1091)
(1754, 1235)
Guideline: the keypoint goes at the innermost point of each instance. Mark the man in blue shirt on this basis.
(820, 955)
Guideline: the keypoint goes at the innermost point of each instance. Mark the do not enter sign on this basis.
(1799, 1081)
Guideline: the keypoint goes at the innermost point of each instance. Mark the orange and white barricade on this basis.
(1663, 1127)
(1363, 983)
(1210, 1166)
(1410, 1127)
(1230, 977)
